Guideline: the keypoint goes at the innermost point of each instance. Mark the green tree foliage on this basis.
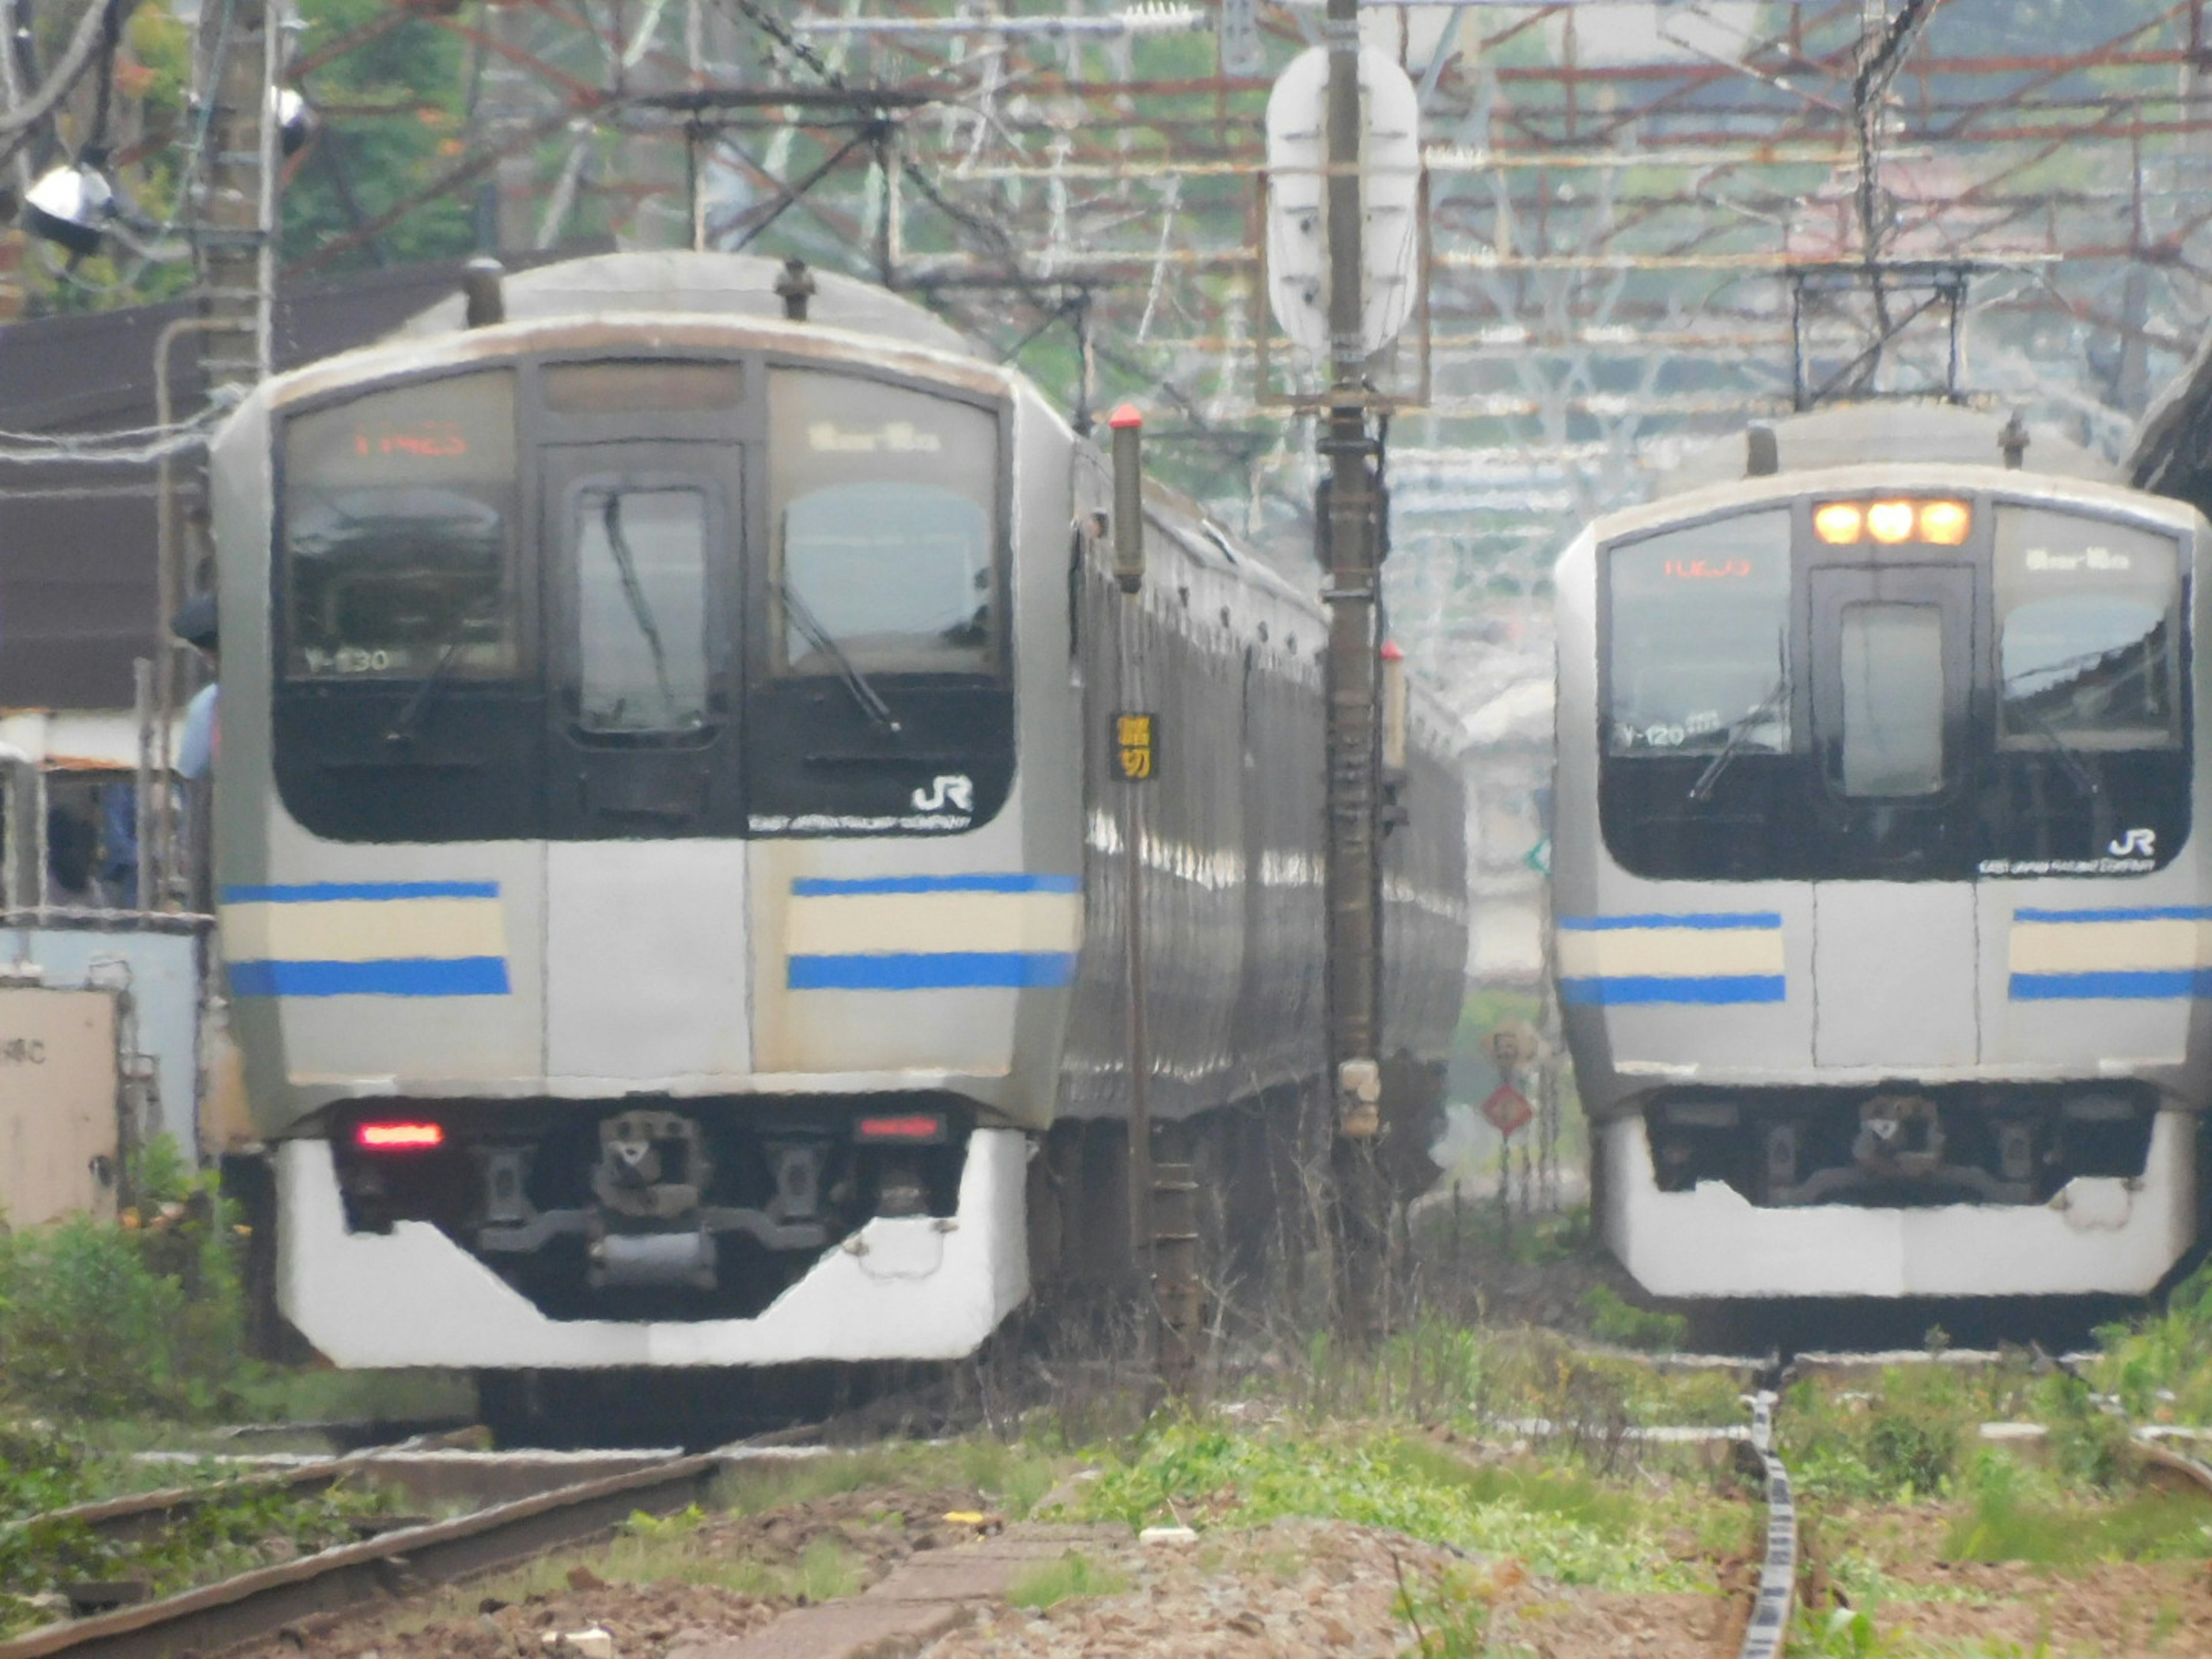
(394, 123)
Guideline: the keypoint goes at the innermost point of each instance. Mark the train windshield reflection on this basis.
(2088, 648)
(1700, 639)
(398, 508)
(885, 503)
(642, 589)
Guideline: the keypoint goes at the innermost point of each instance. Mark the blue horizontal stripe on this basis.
(1656, 988)
(827, 886)
(393, 977)
(1709, 920)
(2133, 985)
(935, 970)
(2153, 912)
(327, 893)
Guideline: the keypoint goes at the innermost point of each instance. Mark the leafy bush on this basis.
(144, 1315)
(1902, 1440)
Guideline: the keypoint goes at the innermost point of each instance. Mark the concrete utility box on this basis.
(60, 1118)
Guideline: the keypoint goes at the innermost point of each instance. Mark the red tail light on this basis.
(399, 1137)
(910, 1126)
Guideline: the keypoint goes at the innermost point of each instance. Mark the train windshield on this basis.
(642, 577)
(2088, 632)
(1699, 658)
(885, 503)
(399, 533)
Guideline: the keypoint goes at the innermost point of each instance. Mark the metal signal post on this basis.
(1352, 524)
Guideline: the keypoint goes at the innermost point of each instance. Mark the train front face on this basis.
(643, 948)
(1881, 934)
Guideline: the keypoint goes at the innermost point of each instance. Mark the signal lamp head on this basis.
(1837, 523)
(1945, 523)
(1890, 521)
(399, 1137)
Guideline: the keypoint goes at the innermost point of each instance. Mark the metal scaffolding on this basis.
(1616, 194)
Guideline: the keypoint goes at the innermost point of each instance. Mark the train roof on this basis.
(1849, 435)
(697, 284)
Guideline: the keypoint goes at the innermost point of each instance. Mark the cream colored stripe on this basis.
(2089, 947)
(869, 924)
(1670, 952)
(364, 930)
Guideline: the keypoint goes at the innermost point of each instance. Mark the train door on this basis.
(646, 938)
(1894, 951)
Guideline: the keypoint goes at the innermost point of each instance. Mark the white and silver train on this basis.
(1883, 936)
(671, 886)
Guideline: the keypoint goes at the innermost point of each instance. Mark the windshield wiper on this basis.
(406, 725)
(2068, 763)
(634, 595)
(1738, 730)
(820, 638)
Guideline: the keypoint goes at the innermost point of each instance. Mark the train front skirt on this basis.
(919, 1287)
(2097, 1234)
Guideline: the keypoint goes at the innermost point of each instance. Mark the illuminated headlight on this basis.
(1945, 523)
(1890, 522)
(1837, 523)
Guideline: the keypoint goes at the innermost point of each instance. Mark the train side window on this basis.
(2088, 644)
(643, 602)
(397, 533)
(1698, 660)
(885, 507)
(1892, 661)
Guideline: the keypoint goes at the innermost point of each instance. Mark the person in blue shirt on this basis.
(195, 625)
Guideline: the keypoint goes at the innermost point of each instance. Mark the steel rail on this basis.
(261, 1602)
(1778, 1574)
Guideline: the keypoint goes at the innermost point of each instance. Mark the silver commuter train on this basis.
(1882, 936)
(671, 890)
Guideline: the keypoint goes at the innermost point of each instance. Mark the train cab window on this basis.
(2088, 635)
(1699, 653)
(884, 504)
(1892, 663)
(643, 612)
(398, 536)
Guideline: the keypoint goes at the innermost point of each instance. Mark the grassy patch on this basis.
(1072, 1574)
(1611, 1319)
(2015, 1514)
(1560, 1523)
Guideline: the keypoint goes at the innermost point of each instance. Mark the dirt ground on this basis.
(1289, 1589)
(652, 1600)
(1305, 1587)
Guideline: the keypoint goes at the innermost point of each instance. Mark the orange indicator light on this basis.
(1890, 521)
(1838, 522)
(399, 1137)
(1945, 523)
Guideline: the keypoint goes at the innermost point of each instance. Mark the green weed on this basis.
(1561, 1525)
(1449, 1615)
(1614, 1319)
(1072, 1574)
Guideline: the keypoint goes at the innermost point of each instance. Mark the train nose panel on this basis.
(1893, 965)
(646, 960)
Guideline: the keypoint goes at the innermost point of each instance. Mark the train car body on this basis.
(1882, 933)
(671, 887)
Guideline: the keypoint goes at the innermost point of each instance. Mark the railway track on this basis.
(261, 1602)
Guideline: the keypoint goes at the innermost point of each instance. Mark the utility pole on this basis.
(1352, 523)
(231, 210)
